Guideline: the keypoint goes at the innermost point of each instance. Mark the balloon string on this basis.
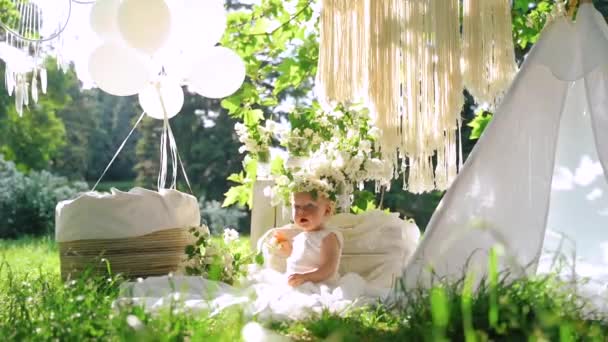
(162, 177)
(168, 137)
(118, 151)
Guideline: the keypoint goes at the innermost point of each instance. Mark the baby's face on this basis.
(310, 213)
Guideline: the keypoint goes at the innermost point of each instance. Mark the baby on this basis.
(314, 254)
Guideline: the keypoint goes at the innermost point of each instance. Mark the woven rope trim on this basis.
(153, 254)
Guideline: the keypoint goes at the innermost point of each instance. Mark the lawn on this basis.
(35, 305)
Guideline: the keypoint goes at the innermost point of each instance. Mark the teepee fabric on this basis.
(536, 181)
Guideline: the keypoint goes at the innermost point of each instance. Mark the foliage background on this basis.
(73, 133)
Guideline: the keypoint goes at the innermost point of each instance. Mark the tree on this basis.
(33, 140)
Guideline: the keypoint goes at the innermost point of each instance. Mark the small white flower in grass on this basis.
(254, 332)
(134, 322)
(230, 235)
(80, 298)
(38, 330)
(140, 280)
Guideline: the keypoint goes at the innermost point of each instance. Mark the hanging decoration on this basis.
(343, 47)
(384, 66)
(415, 86)
(145, 44)
(410, 74)
(29, 28)
(432, 93)
(488, 52)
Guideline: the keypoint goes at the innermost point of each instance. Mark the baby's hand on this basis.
(284, 244)
(297, 279)
(279, 245)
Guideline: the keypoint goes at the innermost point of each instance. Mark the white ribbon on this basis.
(167, 138)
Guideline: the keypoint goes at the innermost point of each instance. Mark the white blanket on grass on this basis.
(266, 296)
(376, 247)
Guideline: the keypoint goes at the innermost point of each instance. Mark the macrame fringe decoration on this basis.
(489, 57)
(414, 73)
(344, 39)
(432, 92)
(384, 77)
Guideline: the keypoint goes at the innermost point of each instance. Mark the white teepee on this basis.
(538, 172)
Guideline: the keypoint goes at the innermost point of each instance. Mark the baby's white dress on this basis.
(306, 254)
(267, 294)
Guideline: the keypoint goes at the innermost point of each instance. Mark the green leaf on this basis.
(237, 195)
(253, 117)
(259, 259)
(215, 272)
(232, 104)
(237, 178)
(277, 166)
(251, 168)
(479, 124)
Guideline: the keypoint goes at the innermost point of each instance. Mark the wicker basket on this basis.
(154, 254)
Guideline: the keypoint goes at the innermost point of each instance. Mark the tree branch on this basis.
(292, 18)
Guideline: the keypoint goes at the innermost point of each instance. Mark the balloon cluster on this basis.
(154, 47)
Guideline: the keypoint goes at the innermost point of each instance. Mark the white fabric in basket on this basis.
(116, 215)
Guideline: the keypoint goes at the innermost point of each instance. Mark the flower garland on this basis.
(336, 152)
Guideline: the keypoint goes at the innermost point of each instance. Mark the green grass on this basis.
(35, 305)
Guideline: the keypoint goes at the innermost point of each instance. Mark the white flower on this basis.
(365, 146)
(374, 132)
(134, 322)
(352, 133)
(230, 235)
(268, 191)
(271, 126)
(336, 114)
(308, 132)
(282, 180)
(240, 128)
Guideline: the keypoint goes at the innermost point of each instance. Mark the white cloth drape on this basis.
(537, 167)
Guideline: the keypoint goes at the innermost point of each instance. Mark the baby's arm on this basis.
(330, 254)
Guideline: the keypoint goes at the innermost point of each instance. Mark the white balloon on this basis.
(172, 98)
(218, 74)
(104, 20)
(201, 24)
(118, 70)
(144, 24)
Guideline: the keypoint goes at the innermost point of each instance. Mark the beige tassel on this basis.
(411, 70)
(384, 85)
(432, 91)
(489, 57)
(343, 46)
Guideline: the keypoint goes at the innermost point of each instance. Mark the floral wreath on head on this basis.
(316, 186)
